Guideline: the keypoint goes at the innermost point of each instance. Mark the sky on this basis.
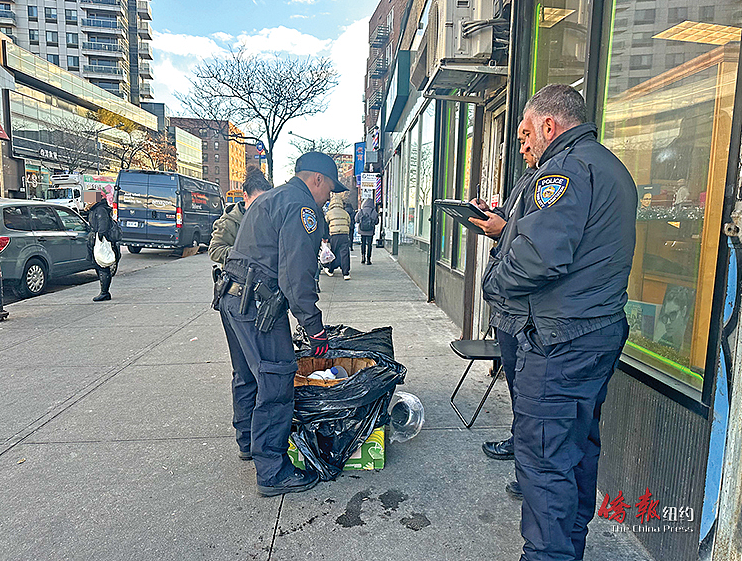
(186, 32)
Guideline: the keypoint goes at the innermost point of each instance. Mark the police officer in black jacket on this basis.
(275, 253)
(566, 255)
(498, 217)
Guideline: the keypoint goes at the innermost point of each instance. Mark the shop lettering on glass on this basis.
(48, 154)
(646, 509)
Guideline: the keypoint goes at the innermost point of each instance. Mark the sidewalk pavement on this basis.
(116, 438)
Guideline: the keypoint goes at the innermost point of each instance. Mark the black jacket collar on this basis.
(567, 139)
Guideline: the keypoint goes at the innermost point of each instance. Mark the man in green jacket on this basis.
(227, 225)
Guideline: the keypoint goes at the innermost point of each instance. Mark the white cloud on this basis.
(222, 37)
(302, 1)
(185, 45)
(177, 55)
(282, 39)
(299, 16)
(344, 106)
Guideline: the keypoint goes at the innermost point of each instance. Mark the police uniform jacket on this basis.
(566, 251)
(499, 311)
(280, 238)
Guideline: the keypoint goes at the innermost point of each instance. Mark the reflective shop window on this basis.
(667, 115)
(425, 171)
(560, 43)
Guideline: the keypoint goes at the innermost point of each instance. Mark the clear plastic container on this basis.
(408, 417)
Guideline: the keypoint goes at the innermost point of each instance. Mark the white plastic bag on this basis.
(103, 252)
(325, 254)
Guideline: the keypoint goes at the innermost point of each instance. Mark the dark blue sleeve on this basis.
(298, 245)
(548, 234)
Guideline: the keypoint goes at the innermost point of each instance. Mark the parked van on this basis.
(165, 210)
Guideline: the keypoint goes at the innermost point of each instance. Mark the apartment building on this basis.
(223, 155)
(384, 28)
(104, 41)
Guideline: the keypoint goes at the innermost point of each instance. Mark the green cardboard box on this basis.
(370, 455)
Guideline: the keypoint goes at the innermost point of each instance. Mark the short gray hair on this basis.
(561, 102)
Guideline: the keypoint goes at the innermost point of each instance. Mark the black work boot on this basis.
(245, 454)
(296, 482)
(105, 283)
(502, 450)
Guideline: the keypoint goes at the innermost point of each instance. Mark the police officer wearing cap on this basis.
(271, 266)
(566, 254)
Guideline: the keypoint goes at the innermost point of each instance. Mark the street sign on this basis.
(259, 146)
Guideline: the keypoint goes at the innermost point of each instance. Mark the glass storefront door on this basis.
(667, 110)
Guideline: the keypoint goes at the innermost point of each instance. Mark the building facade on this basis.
(187, 146)
(222, 150)
(104, 41)
(384, 27)
(57, 121)
(661, 81)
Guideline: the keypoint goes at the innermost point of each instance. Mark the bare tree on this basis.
(143, 150)
(330, 146)
(74, 142)
(259, 94)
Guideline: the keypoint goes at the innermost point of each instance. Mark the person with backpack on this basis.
(367, 218)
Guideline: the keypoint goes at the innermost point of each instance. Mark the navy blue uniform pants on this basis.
(263, 368)
(559, 391)
(508, 354)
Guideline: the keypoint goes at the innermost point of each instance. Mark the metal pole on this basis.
(97, 156)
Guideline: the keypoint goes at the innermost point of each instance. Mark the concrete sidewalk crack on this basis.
(34, 426)
(275, 528)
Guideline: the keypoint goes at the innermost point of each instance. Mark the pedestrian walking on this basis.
(566, 256)
(226, 226)
(499, 311)
(103, 227)
(352, 215)
(367, 218)
(338, 222)
(271, 267)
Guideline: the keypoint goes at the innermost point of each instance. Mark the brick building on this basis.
(383, 37)
(223, 156)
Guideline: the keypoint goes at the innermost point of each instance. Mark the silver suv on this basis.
(40, 241)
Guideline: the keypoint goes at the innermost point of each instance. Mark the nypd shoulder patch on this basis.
(549, 189)
(308, 219)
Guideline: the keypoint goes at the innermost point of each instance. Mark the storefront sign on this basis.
(360, 158)
(48, 154)
(399, 90)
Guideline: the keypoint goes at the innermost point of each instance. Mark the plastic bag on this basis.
(408, 416)
(377, 340)
(103, 252)
(325, 254)
(330, 423)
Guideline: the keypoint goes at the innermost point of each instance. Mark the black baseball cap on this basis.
(321, 163)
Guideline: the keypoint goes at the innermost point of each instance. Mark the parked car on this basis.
(40, 242)
(165, 210)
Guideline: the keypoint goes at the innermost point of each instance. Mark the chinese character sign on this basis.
(360, 158)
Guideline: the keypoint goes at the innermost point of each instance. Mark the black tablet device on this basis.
(460, 211)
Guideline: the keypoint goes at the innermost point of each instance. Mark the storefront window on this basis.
(447, 176)
(425, 181)
(560, 43)
(414, 142)
(667, 115)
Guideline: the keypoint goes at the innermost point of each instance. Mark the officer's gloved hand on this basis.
(319, 343)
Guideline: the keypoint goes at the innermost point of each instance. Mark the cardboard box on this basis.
(371, 454)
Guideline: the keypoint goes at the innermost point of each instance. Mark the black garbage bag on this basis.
(377, 340)
(330, 423)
